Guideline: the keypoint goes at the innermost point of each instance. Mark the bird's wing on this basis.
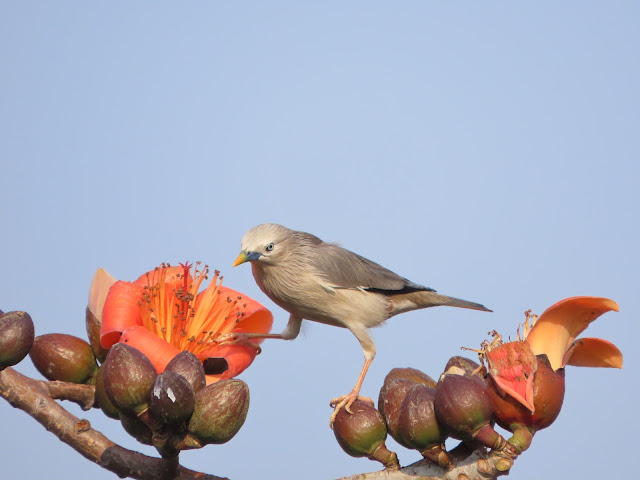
(344, 269)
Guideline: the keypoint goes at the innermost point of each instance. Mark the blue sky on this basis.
(487, 150)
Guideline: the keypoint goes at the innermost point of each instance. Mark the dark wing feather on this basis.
(345, 269)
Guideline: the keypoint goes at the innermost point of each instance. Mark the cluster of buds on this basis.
(519, 386)
(173, 410)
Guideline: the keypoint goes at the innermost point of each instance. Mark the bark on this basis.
(479, 465)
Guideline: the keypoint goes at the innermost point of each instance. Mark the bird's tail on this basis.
(424, 299)
(458, 302)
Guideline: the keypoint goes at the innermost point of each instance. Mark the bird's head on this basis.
(264, 243)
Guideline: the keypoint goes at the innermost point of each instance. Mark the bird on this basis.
(323, 282)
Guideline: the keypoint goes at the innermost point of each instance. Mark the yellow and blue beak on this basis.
(246, 257)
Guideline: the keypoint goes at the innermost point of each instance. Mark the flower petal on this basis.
(560, 324)
(512, 366)
(256, 319)
(593, 352)
(252, 316)
(120, 311)
(156, 349)
(100, 285)
(238, 357)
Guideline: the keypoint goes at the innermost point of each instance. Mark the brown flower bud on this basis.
(362, 434)
(136, 428)
(59, 356)
(128, 377)
(389, 402)
(172, 398)
(102, 399)
(418, 426)
(220, 411)
(463, 407)
(16, 337)
(188, 365)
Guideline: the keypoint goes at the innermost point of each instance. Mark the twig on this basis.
(83, 395)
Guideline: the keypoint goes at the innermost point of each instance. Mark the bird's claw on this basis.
(238, 339)
(345, 401)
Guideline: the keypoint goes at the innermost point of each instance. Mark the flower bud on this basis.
(463, 407)
(220, 411)
(418, 426)
(362, 434)
(389, 402)
(102, 399)
(188, 365)
(16, 337)
(395, 386)
(172, 398)
(467, 365)
(128, 377)
(136, 428)
(412, 374)
(66, 358)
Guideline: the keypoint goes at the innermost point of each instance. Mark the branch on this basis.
(470, 464)
(35, 398)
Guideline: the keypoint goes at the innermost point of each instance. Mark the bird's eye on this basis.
(270, 247)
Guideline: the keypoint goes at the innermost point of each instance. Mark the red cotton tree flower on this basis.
(163, 313)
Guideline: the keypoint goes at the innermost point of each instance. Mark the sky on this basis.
(489, 150)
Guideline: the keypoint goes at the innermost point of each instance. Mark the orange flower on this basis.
(163, 313)
(527, 377)
(554, 334)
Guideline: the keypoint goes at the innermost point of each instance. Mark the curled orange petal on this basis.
(255, 317)
(100, 285)
(593, 352)
(120, 311)
(156, 349)
(559, 325)
(231, 311)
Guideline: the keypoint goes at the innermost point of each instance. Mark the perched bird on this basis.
(325, 283)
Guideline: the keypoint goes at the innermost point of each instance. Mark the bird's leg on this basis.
(289, 333)
(369, 349)
(347, 400)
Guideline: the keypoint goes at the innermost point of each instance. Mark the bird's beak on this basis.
(244, 257)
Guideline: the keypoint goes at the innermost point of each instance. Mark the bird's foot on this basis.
(242, 339)
(345, 401)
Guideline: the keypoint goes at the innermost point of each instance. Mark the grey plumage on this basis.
(325, 283)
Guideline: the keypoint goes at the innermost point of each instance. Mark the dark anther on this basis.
(215, 366)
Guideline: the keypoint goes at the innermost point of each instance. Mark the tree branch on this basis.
(35, 398)
(469, 464)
